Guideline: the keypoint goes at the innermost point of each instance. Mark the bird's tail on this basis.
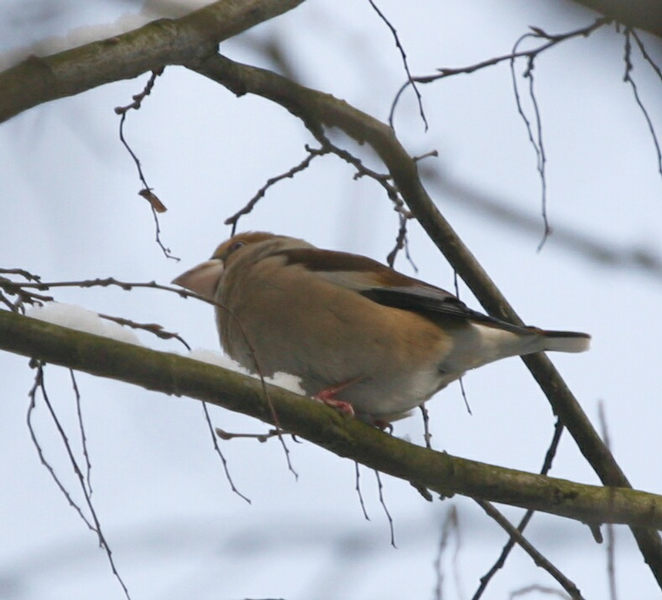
(565, 341)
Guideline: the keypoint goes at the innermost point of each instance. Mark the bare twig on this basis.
(403, 54)
(289, 174)
(81, 429)
(380, 488)
(146, 192)
(644, 53)
(93, 523)
(568, 585)
(22, 272)
(427, 436)
(260, 437)
(552, 40)
(546, 466)
(153, 328)
(383, 179)
(627, 78)
(537, 139)
(217, 449)
(401, 242)
(464, 395)
(122, 111)
(357, 476)
(23, 296)
(32, 394)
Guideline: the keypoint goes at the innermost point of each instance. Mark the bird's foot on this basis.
(339, 405)
(328, 397)
(383, 425)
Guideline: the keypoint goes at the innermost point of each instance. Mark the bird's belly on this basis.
(393, 395)
(387, 357)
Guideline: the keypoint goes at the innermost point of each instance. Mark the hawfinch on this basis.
(361, 336)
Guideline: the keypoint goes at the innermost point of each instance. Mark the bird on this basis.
(362, 337)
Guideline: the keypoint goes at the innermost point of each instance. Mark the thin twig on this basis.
(380, 488)
(289, 174)
(568, 585)
(403, 54)
(552, 40)
(357, 476)
(537, 139)
(260, 437)
(23, 297)
(382, 179)
(217, 449)
(464, 395)
(400, 243)
(153, 328)
(81, 429)
(644, 53)
(627, 77)
(546, 466)
(22, 272)
(427, 436)
(32, 394)
(146, 192)
(94, 524)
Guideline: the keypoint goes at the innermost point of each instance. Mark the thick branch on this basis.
(317, 110)
(163, 42)
(642, 14)
(438, 471)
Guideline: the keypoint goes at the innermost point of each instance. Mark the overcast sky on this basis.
(71, 211)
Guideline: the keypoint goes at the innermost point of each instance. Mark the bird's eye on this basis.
(236, 245)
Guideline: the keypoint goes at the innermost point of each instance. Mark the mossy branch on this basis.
(346, 437)
(163, 42)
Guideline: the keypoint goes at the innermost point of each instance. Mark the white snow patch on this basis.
(283, 380)
(81, 319)
(286, 381)
(216, 358)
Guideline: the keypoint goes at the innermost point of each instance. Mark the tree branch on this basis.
(642, 14)
(162, 42)
(346, 437)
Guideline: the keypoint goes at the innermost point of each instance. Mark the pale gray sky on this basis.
(71, 211)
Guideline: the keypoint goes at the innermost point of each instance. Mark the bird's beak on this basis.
(202, 279)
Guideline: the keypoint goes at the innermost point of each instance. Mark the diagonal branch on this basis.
(319, 110)
(162, 42)
(346, 437)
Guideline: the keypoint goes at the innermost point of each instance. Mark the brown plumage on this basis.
(357, 333)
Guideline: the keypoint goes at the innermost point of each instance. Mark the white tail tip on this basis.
(566, 341)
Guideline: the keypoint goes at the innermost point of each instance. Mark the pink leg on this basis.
(327, 396)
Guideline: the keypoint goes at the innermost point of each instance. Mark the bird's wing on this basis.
(385, 286)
